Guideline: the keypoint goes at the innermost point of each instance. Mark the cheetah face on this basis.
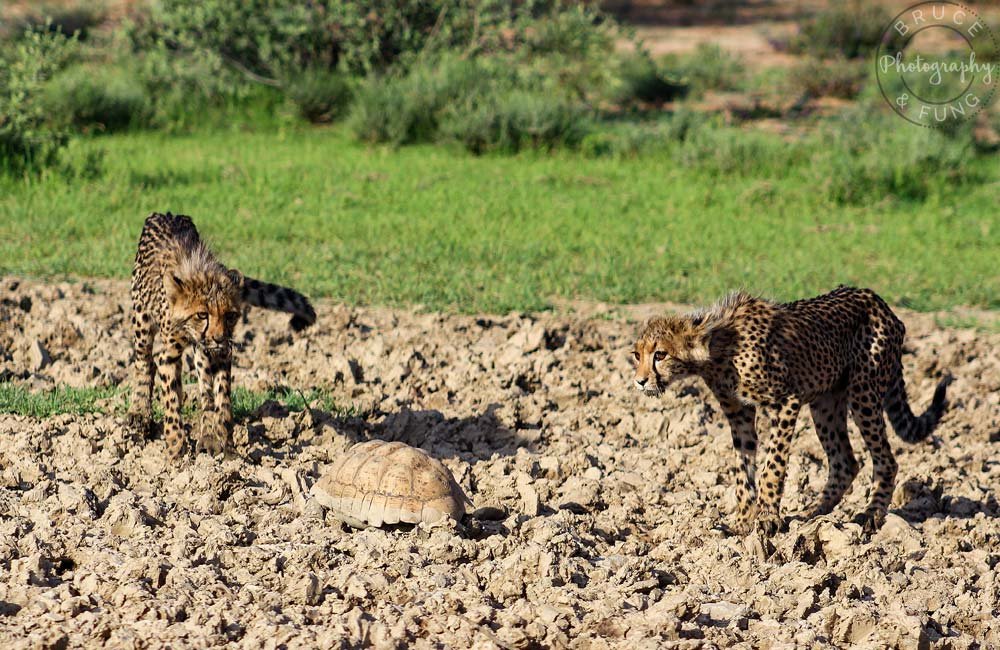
(206, 312)
(668, 349)
(655, 368)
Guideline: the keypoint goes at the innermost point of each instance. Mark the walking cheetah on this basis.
(836, 351)
(182, 293)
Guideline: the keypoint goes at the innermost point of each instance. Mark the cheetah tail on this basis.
(278, 298)
(909, 427)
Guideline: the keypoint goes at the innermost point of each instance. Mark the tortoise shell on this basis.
(379, 482)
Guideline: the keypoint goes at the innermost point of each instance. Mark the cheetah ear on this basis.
(712, 343)
(701, 347)
(237, 277)
(174, 285)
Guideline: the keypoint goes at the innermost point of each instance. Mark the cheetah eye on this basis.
(659, 355)
(202, 315)
(636, 355)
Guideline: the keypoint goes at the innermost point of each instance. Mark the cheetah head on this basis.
(205, 305)
(670, 348)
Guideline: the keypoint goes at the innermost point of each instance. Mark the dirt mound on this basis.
(607, 505)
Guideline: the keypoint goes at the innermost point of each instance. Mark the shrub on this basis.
(867, 159)
(837, 77)
(852, 29)
(274, 41)
(511, 120)
(27, 141)
(74, 18)
(320, 95)
(708, 67)
(730, 151)
(403, 109)
(631, 139)
(639, 80)
(271, 40)
(101, 98)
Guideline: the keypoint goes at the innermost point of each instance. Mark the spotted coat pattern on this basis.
(183, 296)
(839, 353)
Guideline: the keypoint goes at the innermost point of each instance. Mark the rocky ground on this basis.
(611, 503)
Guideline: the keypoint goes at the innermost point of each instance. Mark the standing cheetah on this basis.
(835, 352)
(182, 293)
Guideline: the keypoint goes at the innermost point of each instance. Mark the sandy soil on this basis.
(611, 503)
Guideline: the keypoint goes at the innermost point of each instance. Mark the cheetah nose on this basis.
(640, 383)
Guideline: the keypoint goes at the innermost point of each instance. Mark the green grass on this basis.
(245, 402)
(440, 228)
(17, 399)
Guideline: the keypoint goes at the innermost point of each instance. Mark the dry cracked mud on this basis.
(607, 508)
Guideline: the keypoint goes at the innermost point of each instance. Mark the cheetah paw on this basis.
(139, 423)
(870, 522)
(212, 435)
(767, 525)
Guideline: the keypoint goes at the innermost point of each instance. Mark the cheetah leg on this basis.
(742, 425)
(829, 414)
(203, 366)
(781, 418)
(217, 423)
(169, 363)
(140, 412)
(866, 409)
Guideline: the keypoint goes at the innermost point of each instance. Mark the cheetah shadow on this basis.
(472, 438)
(281, 433)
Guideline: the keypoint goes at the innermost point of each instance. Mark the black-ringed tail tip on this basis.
(379, 483)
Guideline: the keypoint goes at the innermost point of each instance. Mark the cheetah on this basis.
(182, 294)
(837, 352)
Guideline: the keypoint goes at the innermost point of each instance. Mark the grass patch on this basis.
(246, 402)
(437, 227)
(18, 400)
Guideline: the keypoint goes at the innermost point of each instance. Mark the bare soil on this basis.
(612, 505)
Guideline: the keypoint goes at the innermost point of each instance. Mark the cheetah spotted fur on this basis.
(839, 353)
(182, 296)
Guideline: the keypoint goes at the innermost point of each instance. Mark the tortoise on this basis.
(378, 482)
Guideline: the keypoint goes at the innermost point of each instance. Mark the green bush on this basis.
(271, 40)
(708, 67)
(868, 159)
(509, 121)
(77, 18)
(639, 80)
(403, 109)
(836, 77)
(97, 98)
(667, 134)
(733, 152)
(852, 29)
(320, 95)
(275, 41)
(28, 142)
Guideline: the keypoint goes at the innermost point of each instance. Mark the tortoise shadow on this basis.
(928, 502)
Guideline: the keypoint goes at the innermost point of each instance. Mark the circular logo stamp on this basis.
(933, 63)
